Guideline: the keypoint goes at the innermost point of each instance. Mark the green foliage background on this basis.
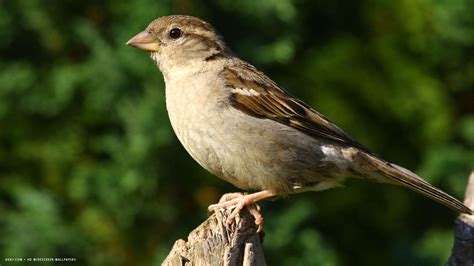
(90, 167)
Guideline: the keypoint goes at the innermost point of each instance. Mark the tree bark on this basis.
(463, 249)
(212, 243)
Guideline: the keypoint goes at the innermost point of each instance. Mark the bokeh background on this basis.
(90, 167)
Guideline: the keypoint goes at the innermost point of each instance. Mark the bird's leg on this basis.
(240, 201)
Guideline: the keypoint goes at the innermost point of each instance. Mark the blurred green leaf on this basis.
(90, 168)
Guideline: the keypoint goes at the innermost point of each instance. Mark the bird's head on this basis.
(176, 41)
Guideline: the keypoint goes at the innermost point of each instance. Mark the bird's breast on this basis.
(193, 109)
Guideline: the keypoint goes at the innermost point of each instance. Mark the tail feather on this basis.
(399, 175)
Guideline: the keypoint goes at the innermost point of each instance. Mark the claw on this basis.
(241, 201)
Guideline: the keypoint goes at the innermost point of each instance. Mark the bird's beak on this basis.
(145, 41)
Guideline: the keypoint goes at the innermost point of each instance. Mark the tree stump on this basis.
(212, 243)
(463, 249)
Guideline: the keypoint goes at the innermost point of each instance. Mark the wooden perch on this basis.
(463, 249)
(211, 243)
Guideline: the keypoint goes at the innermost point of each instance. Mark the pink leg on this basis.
(240, 201)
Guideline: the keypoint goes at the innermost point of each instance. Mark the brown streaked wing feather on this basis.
(274, 103)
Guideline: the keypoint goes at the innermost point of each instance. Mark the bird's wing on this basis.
(253, 93)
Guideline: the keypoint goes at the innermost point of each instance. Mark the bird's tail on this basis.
(384, 171)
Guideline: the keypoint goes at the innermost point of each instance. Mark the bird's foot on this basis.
(240, 201)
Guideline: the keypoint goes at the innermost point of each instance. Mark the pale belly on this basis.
(251, 153)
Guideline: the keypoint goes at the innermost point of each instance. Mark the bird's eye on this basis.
(175, 33)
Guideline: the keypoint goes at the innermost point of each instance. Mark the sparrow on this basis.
(243, 127)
